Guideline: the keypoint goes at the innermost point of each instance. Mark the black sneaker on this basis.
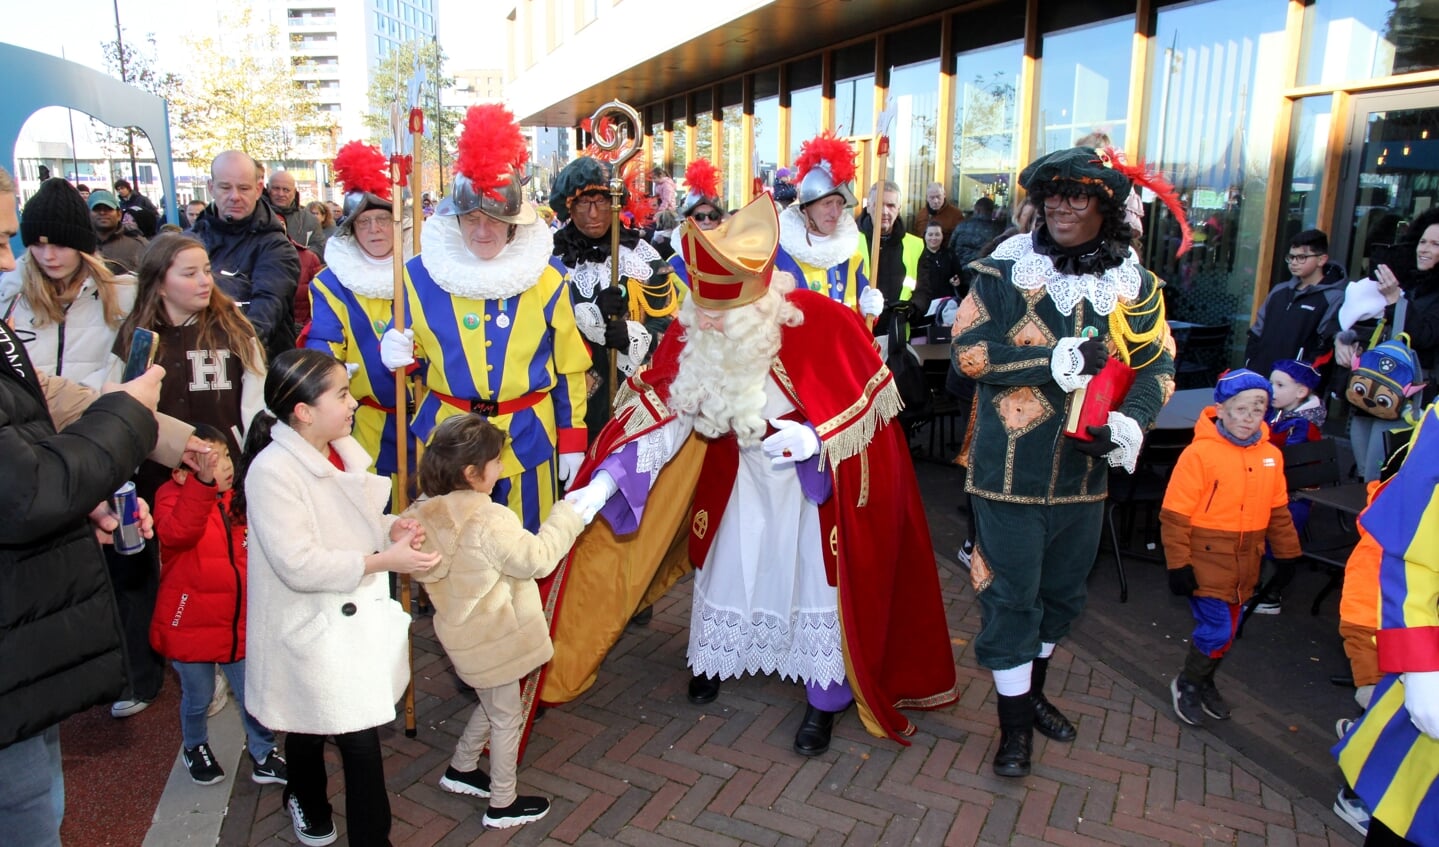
(200, 761)
(475, 783)
(1186, 701)
(316, 833)
(271, 771)
(1212, 701)
(524, 810)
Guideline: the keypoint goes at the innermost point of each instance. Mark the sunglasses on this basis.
(708, 216)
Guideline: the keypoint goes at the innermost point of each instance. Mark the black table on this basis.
(1183, 408)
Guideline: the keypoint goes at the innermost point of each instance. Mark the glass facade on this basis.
(985, 156)
(1083, 89)
(1362, 39)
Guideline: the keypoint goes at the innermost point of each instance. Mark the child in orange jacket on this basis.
(1225, 498)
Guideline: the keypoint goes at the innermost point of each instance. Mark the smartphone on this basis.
(143, 345)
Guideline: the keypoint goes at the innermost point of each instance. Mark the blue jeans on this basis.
(32, 791)
(197, 687)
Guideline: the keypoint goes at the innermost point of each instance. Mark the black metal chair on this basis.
(1143, 487)
(1201, 355)
(1315, 464)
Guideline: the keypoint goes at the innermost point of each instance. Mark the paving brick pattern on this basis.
(633, 763)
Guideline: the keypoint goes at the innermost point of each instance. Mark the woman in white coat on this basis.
(325, 645)
(62, 302)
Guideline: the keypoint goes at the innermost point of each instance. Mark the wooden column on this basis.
(716, 129)
(691, 125)
(826, 92)
(944, 122)
(1137, 115)
(1340, 104)
(1028, 107)
(746, 141)
(784, 117)
(667, 114)
(1275, 197)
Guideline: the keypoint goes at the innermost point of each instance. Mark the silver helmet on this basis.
(356, 203)
(513, 209)
(819, 183)
(694, 199)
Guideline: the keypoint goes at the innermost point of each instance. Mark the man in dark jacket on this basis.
(1300, 317)
(301, 225)
(59, 629)
(252, 257)
(121, 248)
(971, 234)
(139, 208)
(937, 208)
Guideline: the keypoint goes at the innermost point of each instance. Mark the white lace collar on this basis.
(634, 264)
(812, 250)
(1035, 270)
(360, 272)
(457, 271)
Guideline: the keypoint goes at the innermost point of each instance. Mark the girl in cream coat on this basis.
(325, 644)
(488, 613)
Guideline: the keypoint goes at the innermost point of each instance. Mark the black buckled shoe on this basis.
(813, 736)
(1051, 722)
(703, 689)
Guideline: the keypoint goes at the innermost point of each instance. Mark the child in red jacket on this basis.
(199, 617)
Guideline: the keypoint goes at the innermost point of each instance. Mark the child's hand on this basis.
(402, 557)
(411, 527)
(205, 464)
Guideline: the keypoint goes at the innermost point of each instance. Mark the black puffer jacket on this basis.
(59, 628)
(255, 263)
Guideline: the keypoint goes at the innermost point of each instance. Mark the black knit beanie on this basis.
(57, 215)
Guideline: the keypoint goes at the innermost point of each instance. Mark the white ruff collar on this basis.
(1035, 270)
(823, 253)
(456, 270)
(360, 273)
(634, 264)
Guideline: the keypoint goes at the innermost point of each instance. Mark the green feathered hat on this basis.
(1076, 170)
(582, 176)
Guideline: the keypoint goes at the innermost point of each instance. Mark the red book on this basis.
(1091, 405)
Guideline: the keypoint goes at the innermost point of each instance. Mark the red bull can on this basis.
(126, 504)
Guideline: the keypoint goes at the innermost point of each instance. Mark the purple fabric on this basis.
(625, 511)
(816, 484)
(835, 698)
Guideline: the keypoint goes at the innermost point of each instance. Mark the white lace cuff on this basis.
(1066, 363)
(1124, 431)
(590, 322)
(640, 339)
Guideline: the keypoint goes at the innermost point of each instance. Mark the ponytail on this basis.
(257, 438)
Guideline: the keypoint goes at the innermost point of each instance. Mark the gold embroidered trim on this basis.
(931, 702)
(863, 481)
(852, 429)
(1017, 366)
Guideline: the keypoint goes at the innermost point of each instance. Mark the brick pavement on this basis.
(633, 763)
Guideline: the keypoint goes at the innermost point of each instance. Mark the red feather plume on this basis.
(826, 147)
(1141, 176)
(701, 175)
(362, 167)
(491, 147)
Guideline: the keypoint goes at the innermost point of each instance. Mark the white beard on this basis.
(721, 379)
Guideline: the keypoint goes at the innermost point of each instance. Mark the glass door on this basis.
(1390, 173)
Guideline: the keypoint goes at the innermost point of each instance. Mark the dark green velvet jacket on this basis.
(1004, 340)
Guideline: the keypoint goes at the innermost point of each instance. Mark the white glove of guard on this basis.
(589, 500)
(871, 302)
(568, 465)
(1421, 698)
(794, 442)
(397, 349)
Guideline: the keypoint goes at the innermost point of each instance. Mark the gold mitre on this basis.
(731, 265)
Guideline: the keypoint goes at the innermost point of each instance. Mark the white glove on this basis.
(1421, 698)
(871, 302)
(568, 465)
(794, 442)
(397, 349)
(589, 500)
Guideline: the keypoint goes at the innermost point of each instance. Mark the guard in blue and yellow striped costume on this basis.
(352, 299)
(819, 243)
(627, 320)
(493, 323)
(1391, 755)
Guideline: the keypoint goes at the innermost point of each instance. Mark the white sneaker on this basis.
(127, 708)
(222, 694)
(1342, 727)
(1352, 811)
(965, 554)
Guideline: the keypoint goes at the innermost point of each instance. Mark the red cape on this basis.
(895, 636)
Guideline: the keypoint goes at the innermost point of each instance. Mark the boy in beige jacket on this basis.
(488, 613)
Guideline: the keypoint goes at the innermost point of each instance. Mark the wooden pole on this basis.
(417, 212)
(402, 416)
(881, 155)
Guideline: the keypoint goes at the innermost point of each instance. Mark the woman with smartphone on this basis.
(62, 302)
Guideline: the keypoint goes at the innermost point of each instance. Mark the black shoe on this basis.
(1015, 747)
(703, 689)
(1187, 705)
(204, 770)
(475, 783)
(813, 736)
(643, 616)
(310, 829)
(524, 810)
(1051, 722)
(1212, 702)
(271, 771)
